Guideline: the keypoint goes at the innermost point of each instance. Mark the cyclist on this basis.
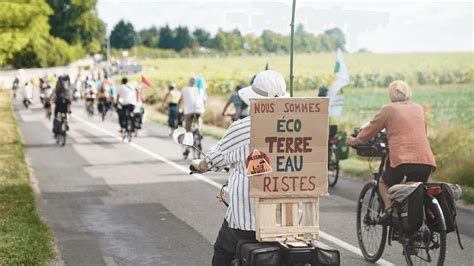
(127, 97)
(62, 94)
(102, 98)
(170, 103)
(27, 94)
(410, 155)
(239, 222)
(90, 94)
(47, 93)
(138, 111)
(192, 100)
(241, 109)
(15, 86)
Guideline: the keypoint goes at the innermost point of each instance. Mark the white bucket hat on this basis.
(267, 84)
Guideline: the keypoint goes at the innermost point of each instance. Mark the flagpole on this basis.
(292, 25)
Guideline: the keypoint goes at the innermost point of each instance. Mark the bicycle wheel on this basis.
(370, 235)
(333, 167)
(62, 135)
(427, 247)
(197, 145)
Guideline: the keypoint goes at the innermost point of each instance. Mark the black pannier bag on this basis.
(314, 255)
(449, 194)
(407, 206)
(253, 253)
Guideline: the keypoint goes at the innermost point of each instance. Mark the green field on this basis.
(313, 70)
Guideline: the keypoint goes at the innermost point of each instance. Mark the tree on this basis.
(166, 39)
(274, 42)
(123, 35)
(202, 37)
(253, 44)
(25, 38)
(77, 22)
(338, 36)
(227, 42)
(149, 37)
(182, 39)
(21, 22)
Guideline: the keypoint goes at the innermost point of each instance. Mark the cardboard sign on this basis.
(293, 134)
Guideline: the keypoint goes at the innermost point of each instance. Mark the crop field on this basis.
(313, 70)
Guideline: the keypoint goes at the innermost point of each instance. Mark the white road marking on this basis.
(213, 183)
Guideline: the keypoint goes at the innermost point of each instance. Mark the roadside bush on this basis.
(453, 146)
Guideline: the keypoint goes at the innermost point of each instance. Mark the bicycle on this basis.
(103, 107)
(333, 157)
(197, 138)
(333, 162)
(129, 128)
(61, 129)
(90, 107)
(427, 244)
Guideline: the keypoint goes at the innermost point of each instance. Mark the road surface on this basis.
(110, 203)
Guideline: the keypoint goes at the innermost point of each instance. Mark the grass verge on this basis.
(24, 238)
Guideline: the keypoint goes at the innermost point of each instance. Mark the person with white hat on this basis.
(231, 151)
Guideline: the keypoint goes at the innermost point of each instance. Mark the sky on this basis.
(379, 26)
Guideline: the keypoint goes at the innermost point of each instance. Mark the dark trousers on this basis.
(226, 243)
(123, 113)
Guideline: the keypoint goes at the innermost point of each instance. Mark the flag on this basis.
(341, 80)
(145, 81)
(266, 66)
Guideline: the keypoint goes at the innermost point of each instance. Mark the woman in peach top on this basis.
(410, 155)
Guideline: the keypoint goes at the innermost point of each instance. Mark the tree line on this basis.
(182, 39)
(44, 33)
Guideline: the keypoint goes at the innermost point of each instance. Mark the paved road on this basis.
(111, 203)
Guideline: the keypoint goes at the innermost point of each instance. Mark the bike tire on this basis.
(441, 235)
(332, 181)
(375, 256)
(62, 139)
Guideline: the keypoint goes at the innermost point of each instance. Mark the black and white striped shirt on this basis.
(231, 151)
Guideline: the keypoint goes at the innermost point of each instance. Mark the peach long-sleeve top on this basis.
(406, 130)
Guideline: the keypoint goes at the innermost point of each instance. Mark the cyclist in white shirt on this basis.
(193, 103)
(127, 97)
(193, 106)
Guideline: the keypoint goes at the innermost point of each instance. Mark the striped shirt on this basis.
(231, 151)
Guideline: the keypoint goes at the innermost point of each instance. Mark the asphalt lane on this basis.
(111, 203)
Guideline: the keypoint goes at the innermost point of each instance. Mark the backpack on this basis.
(63, 91)
(407, 206)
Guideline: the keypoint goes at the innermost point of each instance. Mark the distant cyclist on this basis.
(138, 111)
(193, 103)
(15, 86)
(90, 95)
(27, 94)
(241, 108)
(102, 98)
(170, 104)
(192, 100)
(63, 95)
(127, 97)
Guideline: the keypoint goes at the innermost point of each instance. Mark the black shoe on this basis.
(385, 217)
